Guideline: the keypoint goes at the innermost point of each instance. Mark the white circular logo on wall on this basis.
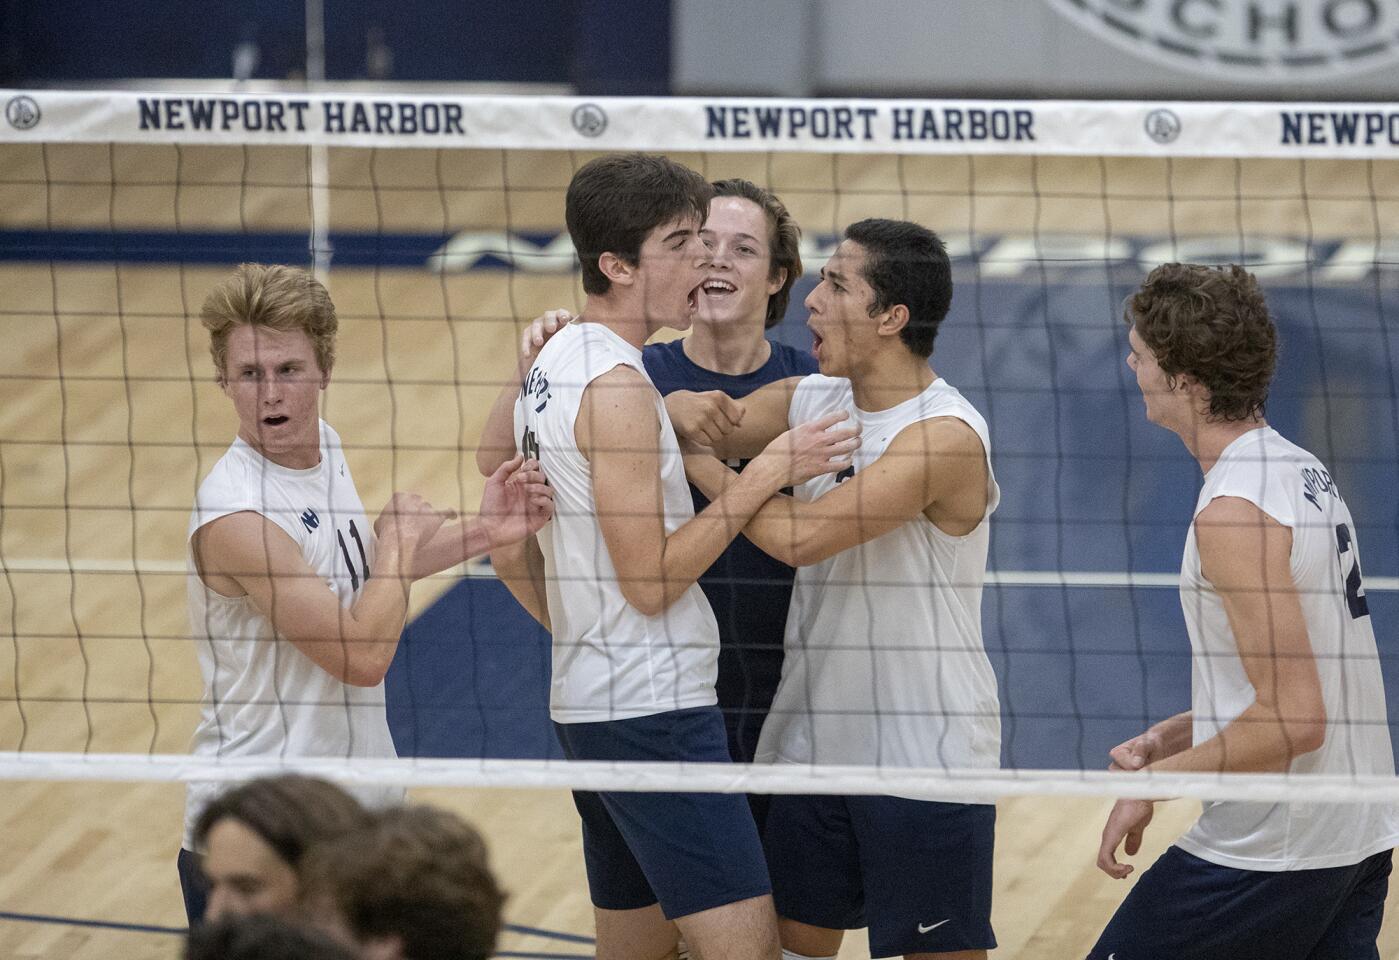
(1249, 39)
(22, 112)
(589, 119)
(1162, 125)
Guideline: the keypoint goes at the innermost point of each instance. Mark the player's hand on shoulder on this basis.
(811, 449)
(408, 520)
(703, 417)
(540, 329)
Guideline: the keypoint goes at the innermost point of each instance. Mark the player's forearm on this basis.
(1174, 734)
(693, 548)
(498, 435)
(520, 567)
(773, 528)
(368, 633)
(1262, 739)
(453, 544)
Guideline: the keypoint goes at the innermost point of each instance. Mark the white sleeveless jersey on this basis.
(262, 696)
(611, 661)
(884, 658)
(1291, 486)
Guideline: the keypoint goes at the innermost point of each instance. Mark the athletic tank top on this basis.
(884, 658)
(262, 696)
(610, 661)
(1291, 486)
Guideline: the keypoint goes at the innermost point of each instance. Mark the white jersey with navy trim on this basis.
(611, 661)
(1290, 485)
(884, 657)
(262, 696)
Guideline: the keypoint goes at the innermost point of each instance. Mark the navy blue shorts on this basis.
(916, 872)
(1185, 907)
(687, 851)
(193, 886)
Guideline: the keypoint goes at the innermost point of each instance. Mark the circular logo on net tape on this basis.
(1162, 125)
(1248, 39)
(589, 119)
(22, 113)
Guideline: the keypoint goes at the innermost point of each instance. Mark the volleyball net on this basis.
(437, 224)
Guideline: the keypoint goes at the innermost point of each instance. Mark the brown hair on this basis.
(784, 240)
(260, 938)
(417, 873)
(275, 296)
(1211, 324)
(290, 813)
(614, 201)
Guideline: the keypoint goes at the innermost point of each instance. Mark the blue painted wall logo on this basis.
(589, 119)
(1248, 39)
(22, 113)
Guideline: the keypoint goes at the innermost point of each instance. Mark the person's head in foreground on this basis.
(272, 338)
(262, 938)
(253, 839)
(412, 885)
(754, 256)
(1203, 346)
(635, 220)
(888, 286)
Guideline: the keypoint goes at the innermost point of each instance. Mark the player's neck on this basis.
(1207, 439)
(889, 379)
(622, 315)
(300, 456)
(730, 349)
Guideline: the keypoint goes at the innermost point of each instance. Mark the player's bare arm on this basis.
(516, 502)
(1246, 556)
(936, 468)
(245, 554)
(618, 430)
(733, 429)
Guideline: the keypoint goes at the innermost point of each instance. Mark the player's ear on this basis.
(617, 270)
(325, 377)
(778, 278)
(894, 320)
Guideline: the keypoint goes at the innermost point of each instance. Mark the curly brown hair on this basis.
(419, 874)
(1211, 324)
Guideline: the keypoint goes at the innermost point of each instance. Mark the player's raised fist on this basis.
(705, 417)
(409, 520)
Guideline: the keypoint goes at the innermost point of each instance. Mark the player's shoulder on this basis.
(232, 476)
(819, 388)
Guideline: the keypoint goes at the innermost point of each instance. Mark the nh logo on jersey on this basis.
(310, 519)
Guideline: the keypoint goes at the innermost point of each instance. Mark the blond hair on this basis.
(279, 297)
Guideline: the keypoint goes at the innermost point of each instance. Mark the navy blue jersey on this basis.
(748, 590)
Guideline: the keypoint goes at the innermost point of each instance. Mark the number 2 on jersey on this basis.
(1355, 594)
